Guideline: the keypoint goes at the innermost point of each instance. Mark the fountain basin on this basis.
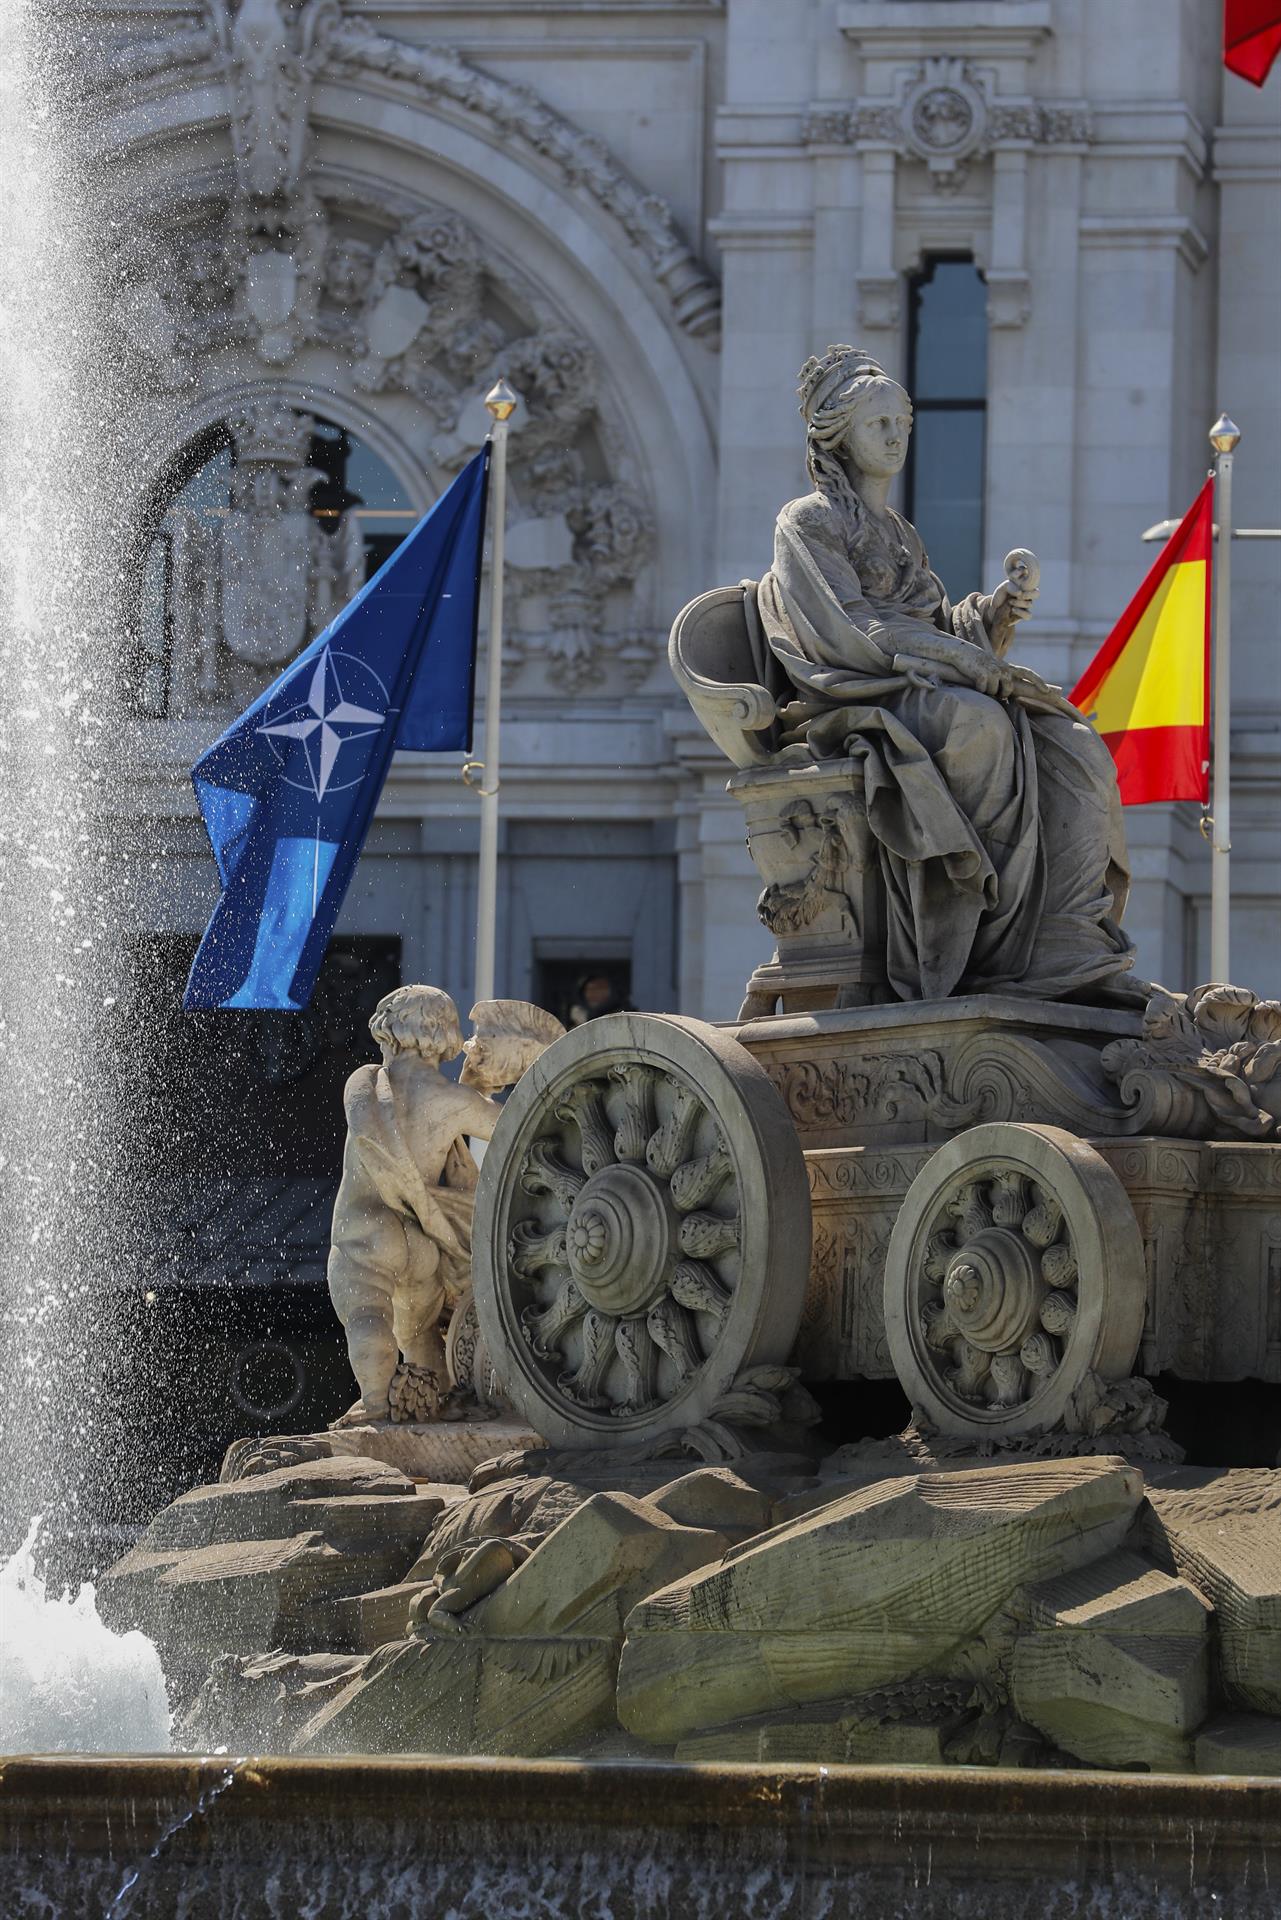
(405, 1839)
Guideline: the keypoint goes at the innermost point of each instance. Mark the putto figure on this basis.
(400, 1255)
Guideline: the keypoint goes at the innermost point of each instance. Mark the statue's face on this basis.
(879, 432)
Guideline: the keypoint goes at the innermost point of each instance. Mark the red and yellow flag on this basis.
(1147, 690)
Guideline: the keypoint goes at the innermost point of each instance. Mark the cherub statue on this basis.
(400, 1255)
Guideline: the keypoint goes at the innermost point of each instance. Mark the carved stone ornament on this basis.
(946, 115)
(1208, 1065)
(1015, 1289)
(642, 1233)
(271, 52)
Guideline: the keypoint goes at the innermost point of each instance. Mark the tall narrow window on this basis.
(947, 379)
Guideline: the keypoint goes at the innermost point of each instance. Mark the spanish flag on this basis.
(1147, 690)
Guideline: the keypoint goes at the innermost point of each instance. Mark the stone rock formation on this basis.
(882, 1583)
(899, 1603)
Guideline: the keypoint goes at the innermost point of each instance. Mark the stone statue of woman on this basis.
(993, 803)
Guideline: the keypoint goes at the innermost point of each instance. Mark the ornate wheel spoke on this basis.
(970, 1210)
(696, 1287)
(694, 1184)
(545, 1328)
(639, 1353)
(1039, 1355)
(705, 1235)
(669, 1144)
(1058, 1265)
(936, 1325)
(674, 1329)
(1009, 1198)
(529, 1248)
(938, 1253)
(584, 1106)
(970, 1371)
(638, 1120)
(546, 1172)
(1008, 1377)
(586, 1383)
(1058, 1311)
(1041, 1223)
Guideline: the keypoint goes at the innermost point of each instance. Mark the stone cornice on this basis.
(1146, 230)
(1247, 153)
(991, 28)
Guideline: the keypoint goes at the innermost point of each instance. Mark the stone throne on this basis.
(823, 897)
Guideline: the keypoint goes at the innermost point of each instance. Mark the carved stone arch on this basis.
(653, 412)
(429, 121)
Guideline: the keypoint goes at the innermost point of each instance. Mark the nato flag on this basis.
(288, 792)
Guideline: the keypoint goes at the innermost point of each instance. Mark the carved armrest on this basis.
(712, 654)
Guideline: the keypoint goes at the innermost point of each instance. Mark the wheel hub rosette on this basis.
(984, 1290)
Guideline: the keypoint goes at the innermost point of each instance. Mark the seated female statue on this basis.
(994, 805)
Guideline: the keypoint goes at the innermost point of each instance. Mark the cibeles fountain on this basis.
(612, 1487)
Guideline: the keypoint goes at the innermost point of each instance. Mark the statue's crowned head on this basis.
(417, 1020)
(835, 388)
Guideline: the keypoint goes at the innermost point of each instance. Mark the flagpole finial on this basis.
(1224, 434)
(501, 401)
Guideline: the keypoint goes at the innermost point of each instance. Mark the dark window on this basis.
(947, 379)
(582, 988)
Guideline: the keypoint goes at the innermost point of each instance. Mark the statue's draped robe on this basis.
(999, 826)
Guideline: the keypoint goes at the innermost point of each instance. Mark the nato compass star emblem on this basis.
(326, 722)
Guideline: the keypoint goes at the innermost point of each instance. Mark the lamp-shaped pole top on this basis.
(501, 401)
(1224, 434)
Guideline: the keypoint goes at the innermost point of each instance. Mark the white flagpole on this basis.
(501, 402)
(1224, 436)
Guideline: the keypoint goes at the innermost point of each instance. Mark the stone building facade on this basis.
(346, 217)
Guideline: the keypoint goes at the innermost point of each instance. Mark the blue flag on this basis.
(288, 792)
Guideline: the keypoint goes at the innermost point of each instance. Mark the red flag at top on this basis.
(1251, 37)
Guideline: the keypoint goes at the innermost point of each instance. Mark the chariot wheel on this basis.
(1015, 1270)
(642, 1230)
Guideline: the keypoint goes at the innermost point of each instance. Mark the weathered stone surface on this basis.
(439, 1452)
(1222, 1531)
(907, 1727)
(888, 1581)
(1114, 1665)
(245, 1596)
(716, 1497)
(261, 1508)
(531, 1668)
(1240, 1743)
(527, 1509)
(589, 1574)
(365, 1621)
(257, 1705)
(251, 1566)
